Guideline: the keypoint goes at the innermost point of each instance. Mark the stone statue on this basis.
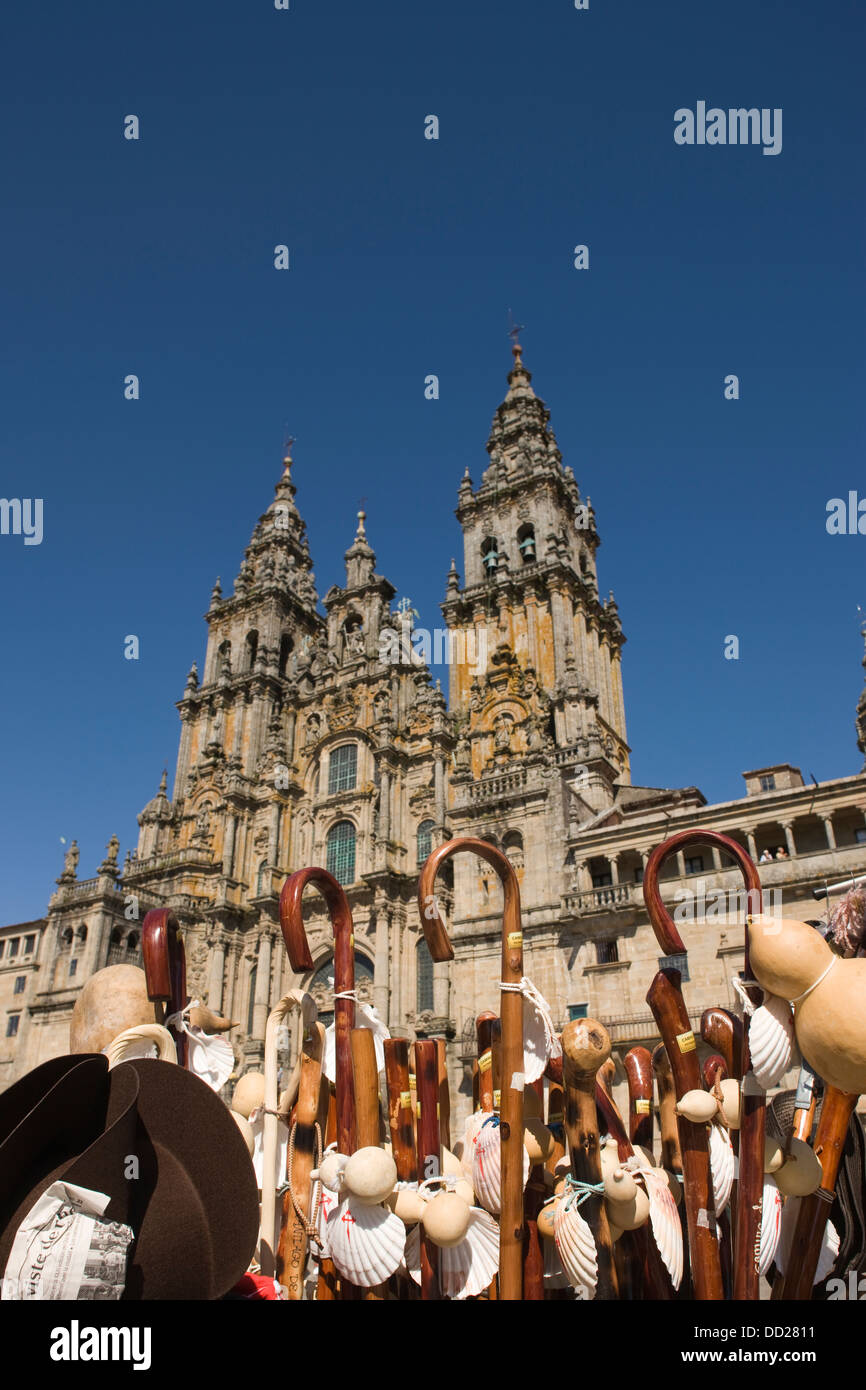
(502, 738)
(462, 757)
(112, 849)
(70, 861)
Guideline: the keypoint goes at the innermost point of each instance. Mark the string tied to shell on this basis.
(365, 1017)
(540, 1038)
(311, 1225)
(577, 1192)
(771, 1031)
(209, 1056)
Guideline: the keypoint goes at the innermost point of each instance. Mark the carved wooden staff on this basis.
(401, 1129)
(747, 1234)
(367, 1126)
(429, 1151)
(484, 1033)
(511, 1013)
(723, 1030)
(639, 1072)
(295, 937)
(669, 1011)
(671, 1155)
(533, 1200)
(165, 970)
(585, 1047)
(307, 1133)
(304, 1146)
(802, 1262)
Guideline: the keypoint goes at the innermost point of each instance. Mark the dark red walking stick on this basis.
(165, 970)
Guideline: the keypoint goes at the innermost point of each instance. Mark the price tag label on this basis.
(406, 1100)
(514, 939)
(686, 1041)
(642, 1107)
(485, 1061)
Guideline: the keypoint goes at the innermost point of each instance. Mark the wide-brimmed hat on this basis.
(190, 1197)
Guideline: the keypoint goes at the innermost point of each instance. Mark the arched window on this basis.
(115, 938)
(132, 941)
(424, 978)
(321, 986)
(286, 649)
(251, 998)
(526, 543)
(82, 932)
(261, 878)
(341, 851)
(224, 655)
(66, 937)
(512, 844)
(490, 553)
(425, 840)
(252, 646)
(343, 768)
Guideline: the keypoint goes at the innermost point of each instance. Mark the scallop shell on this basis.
(466, 1270)
(771, 1040)
(721, 1166)
(412, 1254)
(554, 1274)
(471, 1132)
(143, 1040)
(829, 1243)
(329, 1203)
(487, 1166)
(771, 1224)
(366, 1242)
(665, 1224)
(576, 1245)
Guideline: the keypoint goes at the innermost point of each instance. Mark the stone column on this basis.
(531, 605)
(229, 846)
(274, 835)
(182, 757)
(380, 966)
(717, 860)
(614, 869)
(384, 806)
(261, 1005)
(291, 722)
(560, 638)
(396, 1011)
(215, 972)
(441, 988)
(788, 828)
(753, 848)
(681, 863)
(231, 975)
(829, 831)
(439, 790)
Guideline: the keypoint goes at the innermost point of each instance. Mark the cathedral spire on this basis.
(360, 558)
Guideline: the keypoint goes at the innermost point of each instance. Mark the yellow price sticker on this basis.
(514, 939)
(485, 1061)
(686, 1041)
(497, 1099)
(642, 1107)
(406, 1100)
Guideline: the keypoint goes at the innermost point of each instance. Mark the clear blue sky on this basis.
(306, 127)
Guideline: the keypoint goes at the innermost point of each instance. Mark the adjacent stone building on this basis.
(316, 737)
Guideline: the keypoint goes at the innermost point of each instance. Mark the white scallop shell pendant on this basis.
(829, 1243)
(487, 1166)
(771, 1224)
(665, 1224)
(721, 1166)
(554, 1274)
(366, 1242)
(471, 1131)
(576, 1245)
(771, 1040)
(540, 1042)
(467, 1269)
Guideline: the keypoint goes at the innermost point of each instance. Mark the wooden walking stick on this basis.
(429, 1152)
(295, 937)
(671, 1154)
(295, 999)
(639, 1072)
(585, 1047)
(401, 1129)
(802, 1261)
(511, 1013)
(534, 1197)
(367, 1126)
(805, 1101)
(669, 1011)
(723, 1031)
(164, 962)
(640, 1268)
(443, 1093)
(484, 1033)
(306, 1141)
(747, 1235)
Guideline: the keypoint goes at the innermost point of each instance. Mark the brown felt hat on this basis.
(194, 1204)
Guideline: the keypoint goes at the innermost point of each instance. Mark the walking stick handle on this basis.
(165, 969)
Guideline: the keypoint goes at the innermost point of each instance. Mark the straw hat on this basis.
(193, 1208)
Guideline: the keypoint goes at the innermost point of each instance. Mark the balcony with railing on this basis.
(492, 788)
(631, 1028)
(611, 898)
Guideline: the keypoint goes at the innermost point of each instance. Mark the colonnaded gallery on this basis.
(322, 740)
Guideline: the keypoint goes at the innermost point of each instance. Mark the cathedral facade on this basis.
(314, 737)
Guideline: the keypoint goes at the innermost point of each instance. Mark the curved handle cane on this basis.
(751, 1175)
(165, 969)
(295, 937)
(511, 1013)
(268, 1236)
